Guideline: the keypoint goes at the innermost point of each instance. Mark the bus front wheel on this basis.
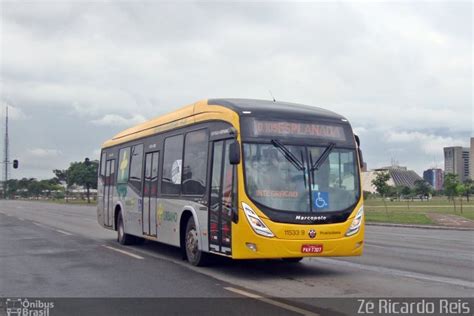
(194, 255)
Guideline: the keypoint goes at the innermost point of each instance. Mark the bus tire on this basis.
(292, 260)
(191, 245)
(122, 237)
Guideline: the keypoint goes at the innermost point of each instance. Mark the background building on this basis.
(399, 176)
(471, 160)
(456, 160)
(435, 177)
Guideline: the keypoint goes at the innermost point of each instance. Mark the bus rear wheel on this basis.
(191, 244)
(122, 237)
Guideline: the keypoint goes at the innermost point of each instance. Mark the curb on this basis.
(420, 226)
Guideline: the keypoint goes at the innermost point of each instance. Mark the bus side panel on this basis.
(100, 201)
(169, 212)
(202, 215)
(132, 211)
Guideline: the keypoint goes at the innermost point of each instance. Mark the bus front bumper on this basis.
(282, 248)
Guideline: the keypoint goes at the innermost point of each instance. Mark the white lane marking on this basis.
(124, 252)
(39, 225)
(402, 273)
(63, 232)
(272, 302)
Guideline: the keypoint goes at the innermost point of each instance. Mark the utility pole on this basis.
(6, 158)
(87, 163)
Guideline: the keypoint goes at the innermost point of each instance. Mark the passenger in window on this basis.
(348, 176)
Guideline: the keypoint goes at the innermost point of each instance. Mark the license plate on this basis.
(312, 248)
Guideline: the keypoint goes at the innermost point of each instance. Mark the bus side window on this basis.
(172, 165)
(102, 164)
(195, 163)
(136, 167)
(123, 165)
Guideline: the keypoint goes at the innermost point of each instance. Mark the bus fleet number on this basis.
(294, 232)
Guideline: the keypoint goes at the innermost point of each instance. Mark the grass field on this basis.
(414, 212)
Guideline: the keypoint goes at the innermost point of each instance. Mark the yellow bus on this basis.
(242, 178)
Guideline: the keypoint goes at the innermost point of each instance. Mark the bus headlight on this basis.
(257, 224)
(356, 222)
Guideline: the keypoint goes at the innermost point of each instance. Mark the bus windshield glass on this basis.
(275, 181)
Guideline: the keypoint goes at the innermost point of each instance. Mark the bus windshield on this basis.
(276, 181)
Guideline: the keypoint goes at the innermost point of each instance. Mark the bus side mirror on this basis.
(357, 140)
(359, 151)
(234, 153)
(361, 158)
(15, 164)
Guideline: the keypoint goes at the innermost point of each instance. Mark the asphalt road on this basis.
(53, 250)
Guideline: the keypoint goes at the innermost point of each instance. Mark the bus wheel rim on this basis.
(192, 244)
(121, 230)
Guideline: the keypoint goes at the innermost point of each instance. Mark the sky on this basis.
(73, 74)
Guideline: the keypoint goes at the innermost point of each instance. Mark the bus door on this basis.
(109, 186)
(150, 190)
(221, 198)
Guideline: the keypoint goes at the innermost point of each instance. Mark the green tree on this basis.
(49, 185)
(62, 176)
(398, 191)
(406, 191)
(451, 187)
(381, 186)
(393, 193)
(35, 188)
(407, 194)
(12, 188)
(422, 188)
(460, 191)
(84, 174)
(367, 195)
(469, 188)
(24, 185)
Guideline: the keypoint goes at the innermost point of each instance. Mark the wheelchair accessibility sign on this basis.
(321, 200)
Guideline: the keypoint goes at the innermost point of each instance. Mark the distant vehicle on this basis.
(246, 179)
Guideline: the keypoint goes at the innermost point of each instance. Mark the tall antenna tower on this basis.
(6, 161)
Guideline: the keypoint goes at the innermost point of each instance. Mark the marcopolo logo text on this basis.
(310, 218)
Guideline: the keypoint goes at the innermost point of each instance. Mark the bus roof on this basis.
(267, 106)
(220, 107)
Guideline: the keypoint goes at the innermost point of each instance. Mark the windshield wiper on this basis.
(323, 157)
(288, 155)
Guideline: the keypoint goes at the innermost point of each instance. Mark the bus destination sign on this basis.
(263, 128)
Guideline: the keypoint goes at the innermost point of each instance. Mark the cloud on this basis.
(14, 113)
(44, 152)
(408, 117)
(117, 120)
(37, 162)
(430, 144)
